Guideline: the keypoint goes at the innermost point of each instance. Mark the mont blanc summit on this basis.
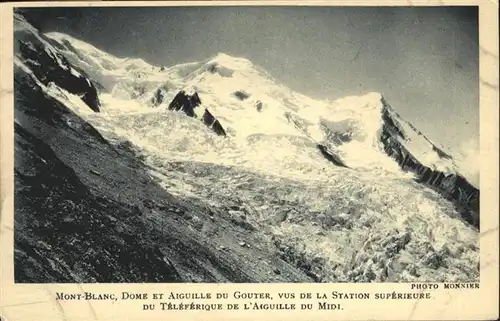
(194, 172)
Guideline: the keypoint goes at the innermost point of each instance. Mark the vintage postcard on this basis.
(287, 160)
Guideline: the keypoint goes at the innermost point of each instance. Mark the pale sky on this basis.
(423, 60)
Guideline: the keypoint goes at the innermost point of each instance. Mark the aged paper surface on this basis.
(310, 301)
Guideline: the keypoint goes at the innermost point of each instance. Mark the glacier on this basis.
(305, 190)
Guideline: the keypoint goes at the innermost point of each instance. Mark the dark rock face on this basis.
(210, 121)
(330, 156)
(187, 103)
(258, 105)
(241, 95)
(46, 110)
(157, 98)
(454, 187)
(49, 66)
(70, 226)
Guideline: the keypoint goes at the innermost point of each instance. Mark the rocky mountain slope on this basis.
(128, 172)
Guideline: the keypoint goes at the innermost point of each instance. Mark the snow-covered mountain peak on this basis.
(361, 131)
(249, 101)
(330, 180)
(230, 61)
(97, 56)
(229, 66)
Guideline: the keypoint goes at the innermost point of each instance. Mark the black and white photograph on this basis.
(246, 144)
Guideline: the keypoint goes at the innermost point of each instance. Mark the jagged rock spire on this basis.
(187, 104)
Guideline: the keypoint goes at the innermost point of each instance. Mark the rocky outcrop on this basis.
(330, 156)
(187, 104)
(214, 124)
(50, 66)
(241, 95)
(157, 98)
(452, 186)
(258, 105)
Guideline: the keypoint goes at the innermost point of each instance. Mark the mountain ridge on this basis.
(428, 165)
(264, 193)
